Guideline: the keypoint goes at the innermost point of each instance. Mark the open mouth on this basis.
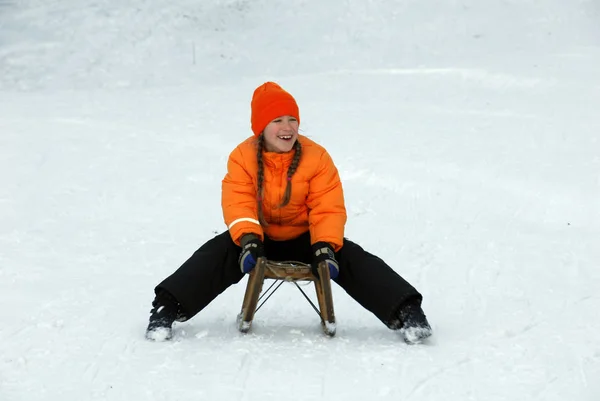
(285, 137)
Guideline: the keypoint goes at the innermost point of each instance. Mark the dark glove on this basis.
(322, 251)
(252, 249)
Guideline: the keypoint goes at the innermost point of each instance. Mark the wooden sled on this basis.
(290, 272)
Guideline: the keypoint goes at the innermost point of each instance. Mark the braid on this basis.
(290, 173)
(261, 178)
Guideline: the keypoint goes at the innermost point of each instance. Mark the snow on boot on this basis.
(162, 316)
(415, 327)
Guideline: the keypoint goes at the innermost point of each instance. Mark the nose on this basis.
(287, 125)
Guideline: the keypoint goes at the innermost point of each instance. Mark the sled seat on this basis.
(287, 272)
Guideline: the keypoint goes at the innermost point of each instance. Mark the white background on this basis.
(467, 138)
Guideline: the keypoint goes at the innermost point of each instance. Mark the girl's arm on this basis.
(238, 199)
(325, 201)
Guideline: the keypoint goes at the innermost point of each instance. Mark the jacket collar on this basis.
(278, 160)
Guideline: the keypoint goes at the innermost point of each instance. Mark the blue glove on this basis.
(322, 251)
(252, 249)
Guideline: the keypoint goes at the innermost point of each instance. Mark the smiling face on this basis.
(281, 134)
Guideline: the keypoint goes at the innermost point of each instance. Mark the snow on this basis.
(415, 335)
(329, 328)
(159, 334)
(467, 135)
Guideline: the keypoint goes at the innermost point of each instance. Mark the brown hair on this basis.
(261, 176)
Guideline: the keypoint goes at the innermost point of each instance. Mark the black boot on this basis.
(163, 314)
(414, 326)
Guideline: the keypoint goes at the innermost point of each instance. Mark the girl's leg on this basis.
(297, 249)
(373, 284)
(206, 274)
(367, 279)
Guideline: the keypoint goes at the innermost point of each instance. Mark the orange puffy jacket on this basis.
(316, 202)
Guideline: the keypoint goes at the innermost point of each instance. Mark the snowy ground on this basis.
(467, 134)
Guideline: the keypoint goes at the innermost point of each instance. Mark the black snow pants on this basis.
(214, 267)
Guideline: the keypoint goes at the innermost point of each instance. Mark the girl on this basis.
(282, 198)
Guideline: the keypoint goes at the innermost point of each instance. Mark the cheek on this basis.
(269, 131)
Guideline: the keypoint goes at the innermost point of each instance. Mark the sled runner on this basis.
(290, 272)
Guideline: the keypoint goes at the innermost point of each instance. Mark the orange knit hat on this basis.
(270, 101)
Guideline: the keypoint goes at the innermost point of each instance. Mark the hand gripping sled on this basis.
(287, 271)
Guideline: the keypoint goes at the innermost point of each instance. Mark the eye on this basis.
(277, 120)
(293, 119)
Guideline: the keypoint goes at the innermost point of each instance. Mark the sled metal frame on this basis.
(287, 272)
